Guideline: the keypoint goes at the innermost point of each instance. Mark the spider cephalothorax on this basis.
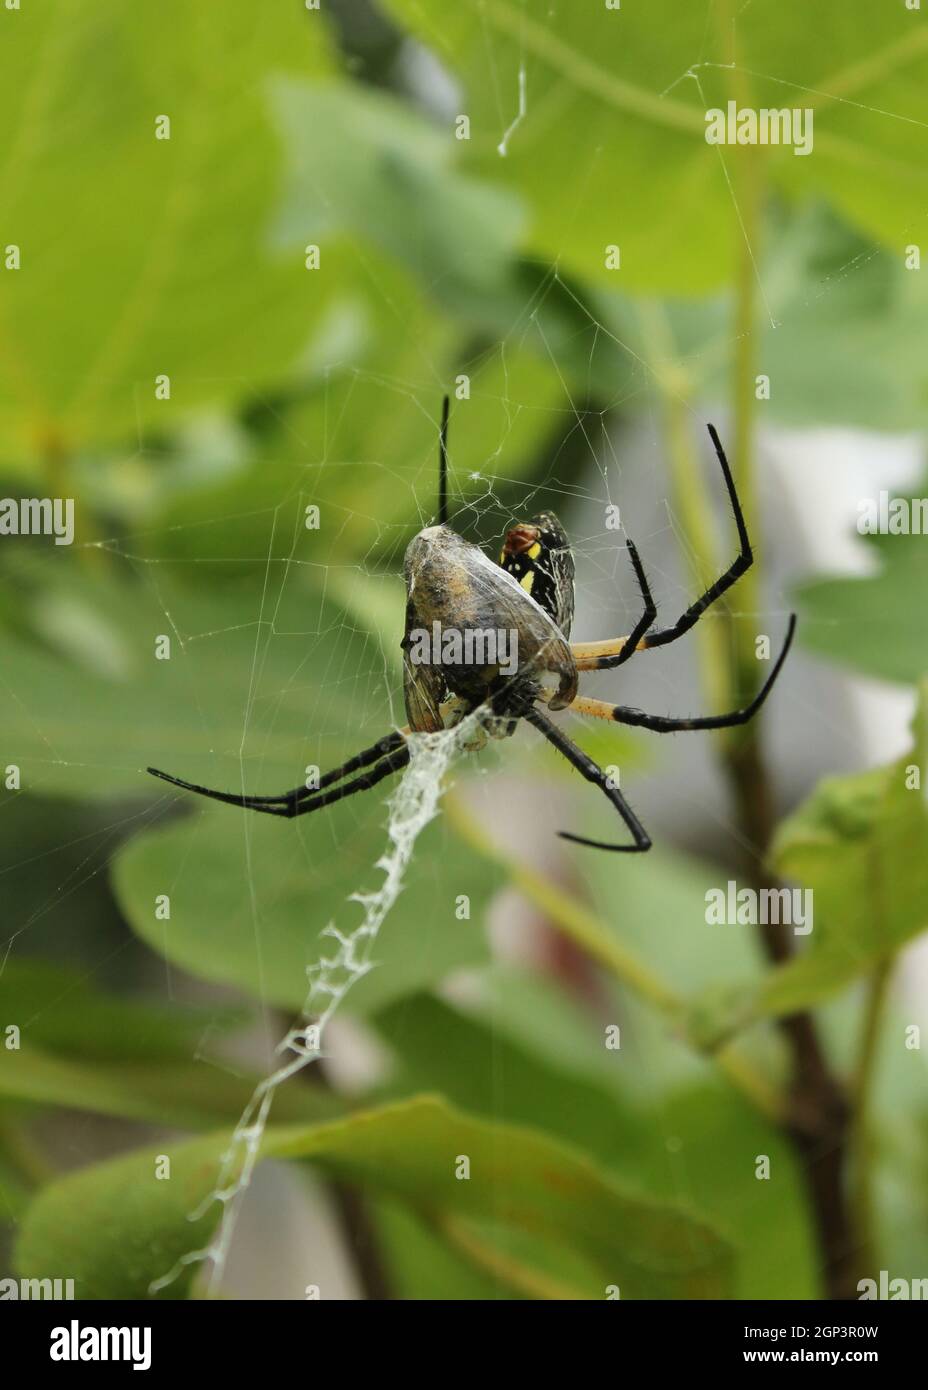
(495, 638)
(453, 587)
(537, 553)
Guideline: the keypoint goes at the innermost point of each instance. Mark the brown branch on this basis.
(819, 1113)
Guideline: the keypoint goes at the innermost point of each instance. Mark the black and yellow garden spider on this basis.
(453, 588)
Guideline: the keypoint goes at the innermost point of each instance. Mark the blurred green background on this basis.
(203, 335)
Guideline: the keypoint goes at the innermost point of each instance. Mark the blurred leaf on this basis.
(362, 445)
(423, 1266)
(143, 256)
(56, 900)
(60, 1010)
(875, 624)
(849, 321)
(629, 166)
(659, 909)
(704, 1145)
(115, 1227)
(185, 1095)
(249, 899)
(699, 1141)
(384, 173)
(614, 119)
(270, 660)
(844, 344)
(897, 1130)
(249, 895)
(14, 1195)
(859, 846)
(481, 1070)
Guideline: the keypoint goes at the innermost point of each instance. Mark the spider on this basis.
(452, 587)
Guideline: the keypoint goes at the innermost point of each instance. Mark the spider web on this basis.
(485, 499)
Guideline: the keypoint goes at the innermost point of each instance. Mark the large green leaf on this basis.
(264, 677)
(482, 1070)
(615, 122)
(702, 1139)
(143, 256)
(385, 173)
(115, 1227)
(250, 898)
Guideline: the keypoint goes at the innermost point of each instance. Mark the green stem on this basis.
(747, 172)
(584, 928)
(819, 1124)
(691, 503)
(862, 1144)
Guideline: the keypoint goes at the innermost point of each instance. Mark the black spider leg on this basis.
(665, 725)
(647, 617)
(593, 773)
(443, 465)
(742, 562)
(386, 745)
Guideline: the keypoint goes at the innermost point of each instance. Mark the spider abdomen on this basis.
(472, 630)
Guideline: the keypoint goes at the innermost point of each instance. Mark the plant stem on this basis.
(862, 1137)
(819, 1119)
(584, 928)
(690, 501)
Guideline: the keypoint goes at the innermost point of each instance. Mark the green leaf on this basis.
(499, 1065)
(142, 256)
(843, 347)
(59, 1010)
(116, 1227)
(614, 119)
(860, 843)
(874, 624)
(859, 846)
(478, 1068)
(273, 662)
(385, 173)
(249, 899)
(663, 918)
(185, 1095)
(422, 1265)
(379, 475)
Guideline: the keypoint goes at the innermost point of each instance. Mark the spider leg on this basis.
(742, 561)
(589, 656)
(388, 744)
(647, 617)
(661, 724)
(595, 774)
(393, 762)
(602, 656)
(443, 464)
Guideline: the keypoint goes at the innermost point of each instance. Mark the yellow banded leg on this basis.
(590, 656)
